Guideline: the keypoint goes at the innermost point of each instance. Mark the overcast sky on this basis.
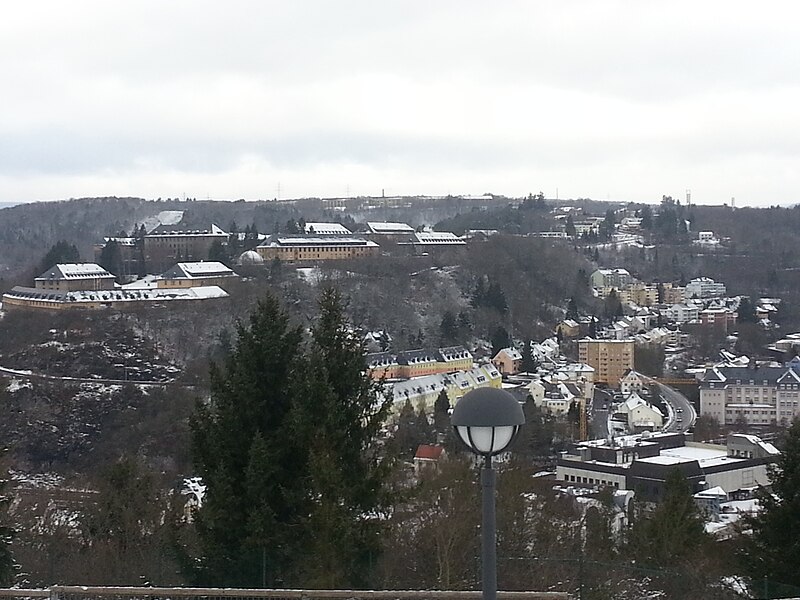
(620, 100)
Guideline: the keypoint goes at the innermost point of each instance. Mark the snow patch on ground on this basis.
(311, 275)
(16, 385)
(46, 481)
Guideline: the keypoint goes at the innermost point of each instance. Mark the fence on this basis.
(139, 593)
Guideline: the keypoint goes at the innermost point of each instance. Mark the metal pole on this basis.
(489, 531)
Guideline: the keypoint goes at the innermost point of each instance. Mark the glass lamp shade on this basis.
(487, 441)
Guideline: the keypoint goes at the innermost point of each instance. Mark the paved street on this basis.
(683, 413)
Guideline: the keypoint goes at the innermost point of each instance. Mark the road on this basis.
(26, 375)
(598, 413)
(682, 414)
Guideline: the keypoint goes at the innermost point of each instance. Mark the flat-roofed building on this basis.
(608, 278)
(75, 276)
(196, 274)
(293, 248)
(643, 463)
(704, 287)
(610, 359)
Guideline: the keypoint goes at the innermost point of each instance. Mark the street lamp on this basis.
(487, 420)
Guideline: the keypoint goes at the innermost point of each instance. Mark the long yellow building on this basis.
(316, 248)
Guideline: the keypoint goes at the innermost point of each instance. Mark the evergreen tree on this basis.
(496, 298)
(673, 534)
(569, 226)
(448, 327)
(111, 258)
(407, 436)
(529, 362)
(246, 449)
(441, 413)
(647, 217)
(341, 414)
(746, 311)
(61, 252)
(500, 339)
(773, 551)
(572, 309)
(218, 252)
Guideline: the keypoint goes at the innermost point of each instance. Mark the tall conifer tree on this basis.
(342, 413)
(773, 551)
(249, 457)
(286, 447)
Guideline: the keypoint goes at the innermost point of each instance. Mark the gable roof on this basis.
(320, 228)
(428, 452)
(74, 271)
(193, 270)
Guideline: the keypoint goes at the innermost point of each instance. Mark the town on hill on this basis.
(654, 349)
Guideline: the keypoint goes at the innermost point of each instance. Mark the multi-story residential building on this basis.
(673, 294)
(508, 361)
(418, 363)
(718, 317)
(610, 359)
(423, 391)
(753, 395)
(703, 287)
(611, 278)
(643, 463)
(554, 397)
(642, 294)
(632, 382)
(71, 277)
(307, 248)
(383, 365)
(455, 358)
(682, 313)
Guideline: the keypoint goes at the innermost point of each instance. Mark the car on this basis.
(680, 410)
(679, 419)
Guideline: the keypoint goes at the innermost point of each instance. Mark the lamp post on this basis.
(487, 420)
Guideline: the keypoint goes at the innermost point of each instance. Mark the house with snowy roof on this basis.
(508, 361)
(196, 274)
(640, 415)
(631, 382)
(67, 277)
